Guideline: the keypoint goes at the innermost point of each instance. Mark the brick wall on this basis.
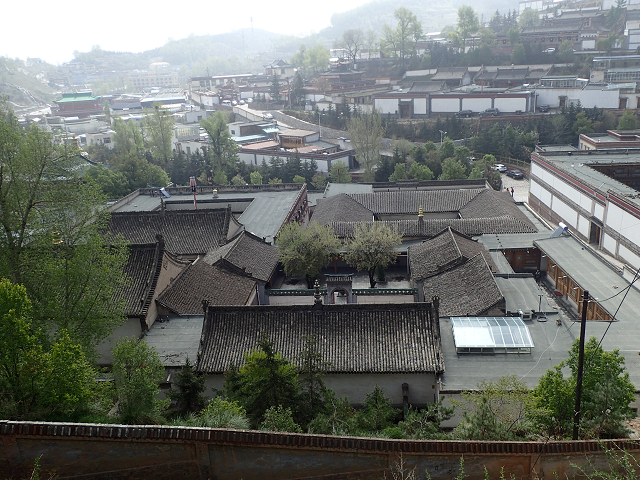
(89, 451)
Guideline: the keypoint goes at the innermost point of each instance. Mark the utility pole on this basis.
(583, 327)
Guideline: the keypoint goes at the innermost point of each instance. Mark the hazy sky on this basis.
(53, 30)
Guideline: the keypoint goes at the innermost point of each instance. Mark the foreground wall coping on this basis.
(301, 440)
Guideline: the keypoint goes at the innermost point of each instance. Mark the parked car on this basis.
(267, 116)
(543, 108)
(241, 102)
(549, 50)
(515, 174)
(498, 167)
(491, 112)
(464, 113)
(226, 103)
(250, 100)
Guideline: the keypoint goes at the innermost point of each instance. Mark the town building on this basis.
(81, 105)
(364, 345)
(594, 193)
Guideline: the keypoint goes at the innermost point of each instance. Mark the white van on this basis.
(226, 103)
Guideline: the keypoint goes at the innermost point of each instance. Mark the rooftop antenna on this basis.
(192, 182)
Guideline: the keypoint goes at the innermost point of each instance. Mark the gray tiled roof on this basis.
(490, 203)
(141, 270)
(443, 252)
(511, 73)
(249, 253)
(407, 202)
(449, 73)
(340, 208)
(466, 290)
(431, 227)
(200, 282)
(352, 338)
(427, 87)
(184, 232)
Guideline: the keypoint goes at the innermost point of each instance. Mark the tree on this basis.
(582, 124)
(452, 170)
(447, 149)
(159, 124)
(190, 386)
(399, 173)
(298, 179)
(366, 132)
(306, 250)
(420, 172)
(514, 36)
(238, 180)
(496, 411)
(128, 139)
(606, 395)
(339, 172)
(256, 178)
(139, 173)
(377, 412)
(371, 41)
(519, 55)
(266, 380)
(221, 413)
(312, 367)
(297, 87)
(279, 419)
(222, 149)
(137, 372)
(372, 248)
(407, 32)
(352, 41)
(112, 184)
(467, 22)
(529, 18)
(51, 239)
(425, 424)
(319, 181)
(317, 59)
(274, 89)
(58, 383)
(628, 120)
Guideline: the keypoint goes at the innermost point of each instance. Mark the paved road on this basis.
(520, 188)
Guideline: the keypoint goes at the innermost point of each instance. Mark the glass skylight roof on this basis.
(491, 335)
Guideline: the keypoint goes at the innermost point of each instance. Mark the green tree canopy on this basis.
(366, 132)
(55, 383)
(137, 373)
(628, 120)
(265, 380)
(467, 21)
(372, 247)
(51, 239)
(339, 172)
(158, 124)
(306, 250)
(529, 18)
(452, 170)
(606, 395)
(496, 411)
(222, 149)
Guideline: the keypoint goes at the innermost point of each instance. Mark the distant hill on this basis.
(21, 84)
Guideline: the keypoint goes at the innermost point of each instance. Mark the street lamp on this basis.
(442, 134)
(319, 126)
